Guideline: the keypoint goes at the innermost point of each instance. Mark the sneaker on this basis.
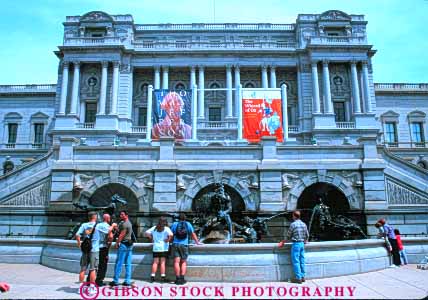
(152, 279)
(126, 283)
(178, 281)
(112, 283)
(183, 281)
(303, 279)
(392, 266)
(295, 280)
(100, 283)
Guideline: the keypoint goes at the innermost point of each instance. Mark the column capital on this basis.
(325, 62)
(165, 68)
(264, 67)
(116, 64)
(236, 66)
(156, 68)
(314, 63)
(201, 67)
(76, 64)
(65, 64)
(104, 63)
(229, 67)
(193, 68)
(364, 63)
(353, 62)
(272, 67)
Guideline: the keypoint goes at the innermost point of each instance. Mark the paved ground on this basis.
(36, 281)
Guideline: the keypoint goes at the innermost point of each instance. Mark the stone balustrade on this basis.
(85, 125)
(400, 87)
(24, 146)
(345, 125)
(139, 129)
(217, 125)
(28, 88)
(338, 40)
(93, 41)
(293, 128)
(216, 27)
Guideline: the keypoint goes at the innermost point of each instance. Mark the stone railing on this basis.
(139, 129)
(215, 27)
(93, 41)
(20, 146)
(406, 145)
(293, 128)
(400, 87)
(28, 88)
(218, 125)
(187, 45)
(345, 125)
(85, 125)
(338, 40)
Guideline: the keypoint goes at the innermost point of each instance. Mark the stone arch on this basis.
(345, 185)
(140, 186)
(241, 185)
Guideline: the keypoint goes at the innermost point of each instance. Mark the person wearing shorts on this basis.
(160, 235)
(182, 230)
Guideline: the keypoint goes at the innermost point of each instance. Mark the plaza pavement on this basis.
(39, 282)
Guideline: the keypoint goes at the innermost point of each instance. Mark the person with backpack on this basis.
(160, 235)
(90, 246)
(182, 230)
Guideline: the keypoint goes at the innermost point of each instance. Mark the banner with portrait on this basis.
(261, 115)
(172, 114)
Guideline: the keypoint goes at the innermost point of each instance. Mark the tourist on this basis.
(298, 234)
(161, 235)
(180, 246)
(388, 231)
(105, 242)
(124, 244)
(4, 287)
(381, 234)
(401, 251)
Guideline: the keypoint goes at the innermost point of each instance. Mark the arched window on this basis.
(39, 123)
(249, 85)
(180, 86)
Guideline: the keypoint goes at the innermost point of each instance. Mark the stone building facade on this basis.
(360, 144)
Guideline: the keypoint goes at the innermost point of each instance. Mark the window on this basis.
(417, 134)
(38, 133)
(339, 111)
(332, 34)
(13, 133)
(214, 114)
(390, 133)
(91, 112)
(142, 116)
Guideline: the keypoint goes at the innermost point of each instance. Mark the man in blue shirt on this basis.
(180, 246)
(388, 232)
(90, 258)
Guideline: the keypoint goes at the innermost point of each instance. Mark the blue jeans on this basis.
(403, 256)
(298, 259)
(124, 255)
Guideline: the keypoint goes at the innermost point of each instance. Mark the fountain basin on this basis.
(263, 262)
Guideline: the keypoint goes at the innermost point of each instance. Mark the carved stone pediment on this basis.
(37, 196)
(398, 193)
(333, 15)
(96, 16)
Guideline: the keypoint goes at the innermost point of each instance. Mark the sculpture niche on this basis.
(116, 202)
(324, 226)
(218, 223)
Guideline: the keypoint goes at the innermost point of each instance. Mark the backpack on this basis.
(181, 230)
(86, 245)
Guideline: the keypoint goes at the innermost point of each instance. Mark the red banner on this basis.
(261, 115)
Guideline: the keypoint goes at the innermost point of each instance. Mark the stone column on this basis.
(315, 88)
(229, 112)
(201, 102)
(157, 78)
(194, 112)
(272, 77)
(149, 112)
(115, 88)
(355, 88)
(192, 76)
(326, 86)
(165, 83)
(75, 93)
(239, 112)
(264, 77)
(366, 82)
(103, 91)
(64, 88)
(299, 97)
(237, 83)
(284, 111)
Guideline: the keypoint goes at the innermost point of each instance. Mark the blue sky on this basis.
(32, 29)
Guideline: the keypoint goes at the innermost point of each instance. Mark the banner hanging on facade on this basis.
(171, 114)
(261, 115)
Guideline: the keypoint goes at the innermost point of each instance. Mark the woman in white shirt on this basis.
(160, 235)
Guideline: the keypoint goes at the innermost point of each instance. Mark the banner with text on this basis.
(171, 114)
(261, 115)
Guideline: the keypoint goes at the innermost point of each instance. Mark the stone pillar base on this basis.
(107, 122)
